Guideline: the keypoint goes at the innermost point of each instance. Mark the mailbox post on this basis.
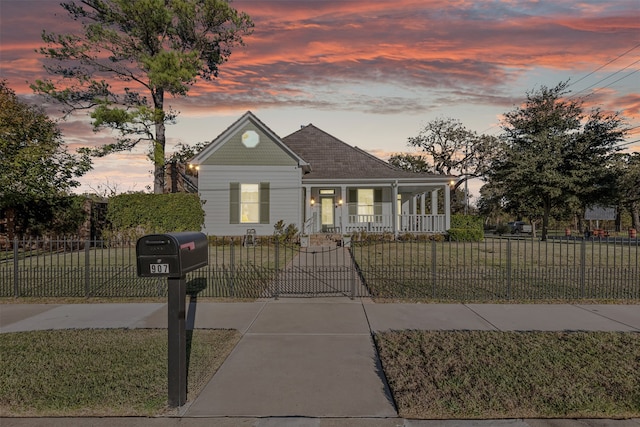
(173, 255)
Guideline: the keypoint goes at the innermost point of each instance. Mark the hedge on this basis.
(140, 213)
(466, 228)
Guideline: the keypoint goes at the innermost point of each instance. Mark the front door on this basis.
(327, 213)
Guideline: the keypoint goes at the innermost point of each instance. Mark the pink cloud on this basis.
(370, 56)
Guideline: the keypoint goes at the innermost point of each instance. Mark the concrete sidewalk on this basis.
(312, 362)
(243, 315)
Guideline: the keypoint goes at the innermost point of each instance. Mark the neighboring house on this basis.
(250, 178)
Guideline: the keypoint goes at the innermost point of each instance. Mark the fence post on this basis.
(276, 290)
(583, 265)
(434, 276)
(16, 294)
(232, 266)
(353, 273)
(509, 269)
(87, 265)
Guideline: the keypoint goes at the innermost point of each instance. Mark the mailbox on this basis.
(172, 254)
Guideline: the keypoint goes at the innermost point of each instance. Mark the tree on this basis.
(453, 149)
(411, 163)
(628, 185)
(553, 155)
(149, 49)
(36, 167)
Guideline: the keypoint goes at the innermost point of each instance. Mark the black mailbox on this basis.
(172, 254)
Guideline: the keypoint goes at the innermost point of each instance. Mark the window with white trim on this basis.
(365, 201)
(249, 203)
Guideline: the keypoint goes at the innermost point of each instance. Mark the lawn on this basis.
(489, 374)
(432, 374)
(95, 372)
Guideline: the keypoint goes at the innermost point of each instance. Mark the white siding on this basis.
(285, 198)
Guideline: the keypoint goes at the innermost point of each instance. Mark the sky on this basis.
(370, 72)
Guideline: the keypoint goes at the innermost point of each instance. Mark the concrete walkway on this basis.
(312, 362)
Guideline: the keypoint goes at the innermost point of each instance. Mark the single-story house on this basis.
(250, 178)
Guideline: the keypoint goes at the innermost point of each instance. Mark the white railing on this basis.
(405, 224)
(309, 225)
(369, 223)
(422, 223)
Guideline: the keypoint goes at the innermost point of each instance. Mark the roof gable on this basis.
(248, 142)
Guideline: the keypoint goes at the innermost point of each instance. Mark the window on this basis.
(365, 201)
(249, 203)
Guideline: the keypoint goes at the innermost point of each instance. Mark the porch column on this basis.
(423, 198)
(344, 210)
(307, 209)
(434, 202)
(414, 205)
(447, 207)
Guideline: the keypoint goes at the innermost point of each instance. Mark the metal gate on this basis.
(318, 272)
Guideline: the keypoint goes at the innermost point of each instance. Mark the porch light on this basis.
(313, 201)
(339, 204)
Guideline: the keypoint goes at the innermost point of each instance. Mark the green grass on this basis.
(92, 372)
(489, 374)
(432, 374)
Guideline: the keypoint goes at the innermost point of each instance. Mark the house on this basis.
(250, 178)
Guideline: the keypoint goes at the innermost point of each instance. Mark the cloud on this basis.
(478, 49)
(385, 57)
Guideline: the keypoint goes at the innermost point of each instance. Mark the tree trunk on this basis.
(618, 221)
(159, 143)
(545, 218)
(635, 217)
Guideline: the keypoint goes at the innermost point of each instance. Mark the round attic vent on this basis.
(250, 139)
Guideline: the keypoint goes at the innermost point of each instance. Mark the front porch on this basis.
(352, 209)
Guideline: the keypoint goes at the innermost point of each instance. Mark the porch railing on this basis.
(405, 224)
(422, 223)
(369, 223)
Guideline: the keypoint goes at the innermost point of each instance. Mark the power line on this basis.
(602, 66)
(599, 81)
(609, 76)
(629, 143)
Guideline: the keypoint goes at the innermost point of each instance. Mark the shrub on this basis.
(466, 228)
(284, 233)
(133, 215)
(502, 229)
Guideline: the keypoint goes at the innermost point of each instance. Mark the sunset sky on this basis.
(372, 72)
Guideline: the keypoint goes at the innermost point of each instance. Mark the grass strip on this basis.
(99, 372)
(490, 374)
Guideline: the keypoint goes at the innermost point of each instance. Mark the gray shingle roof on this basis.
(331, 158)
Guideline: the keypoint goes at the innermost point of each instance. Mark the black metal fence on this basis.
(490, 270)
(497, 269)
